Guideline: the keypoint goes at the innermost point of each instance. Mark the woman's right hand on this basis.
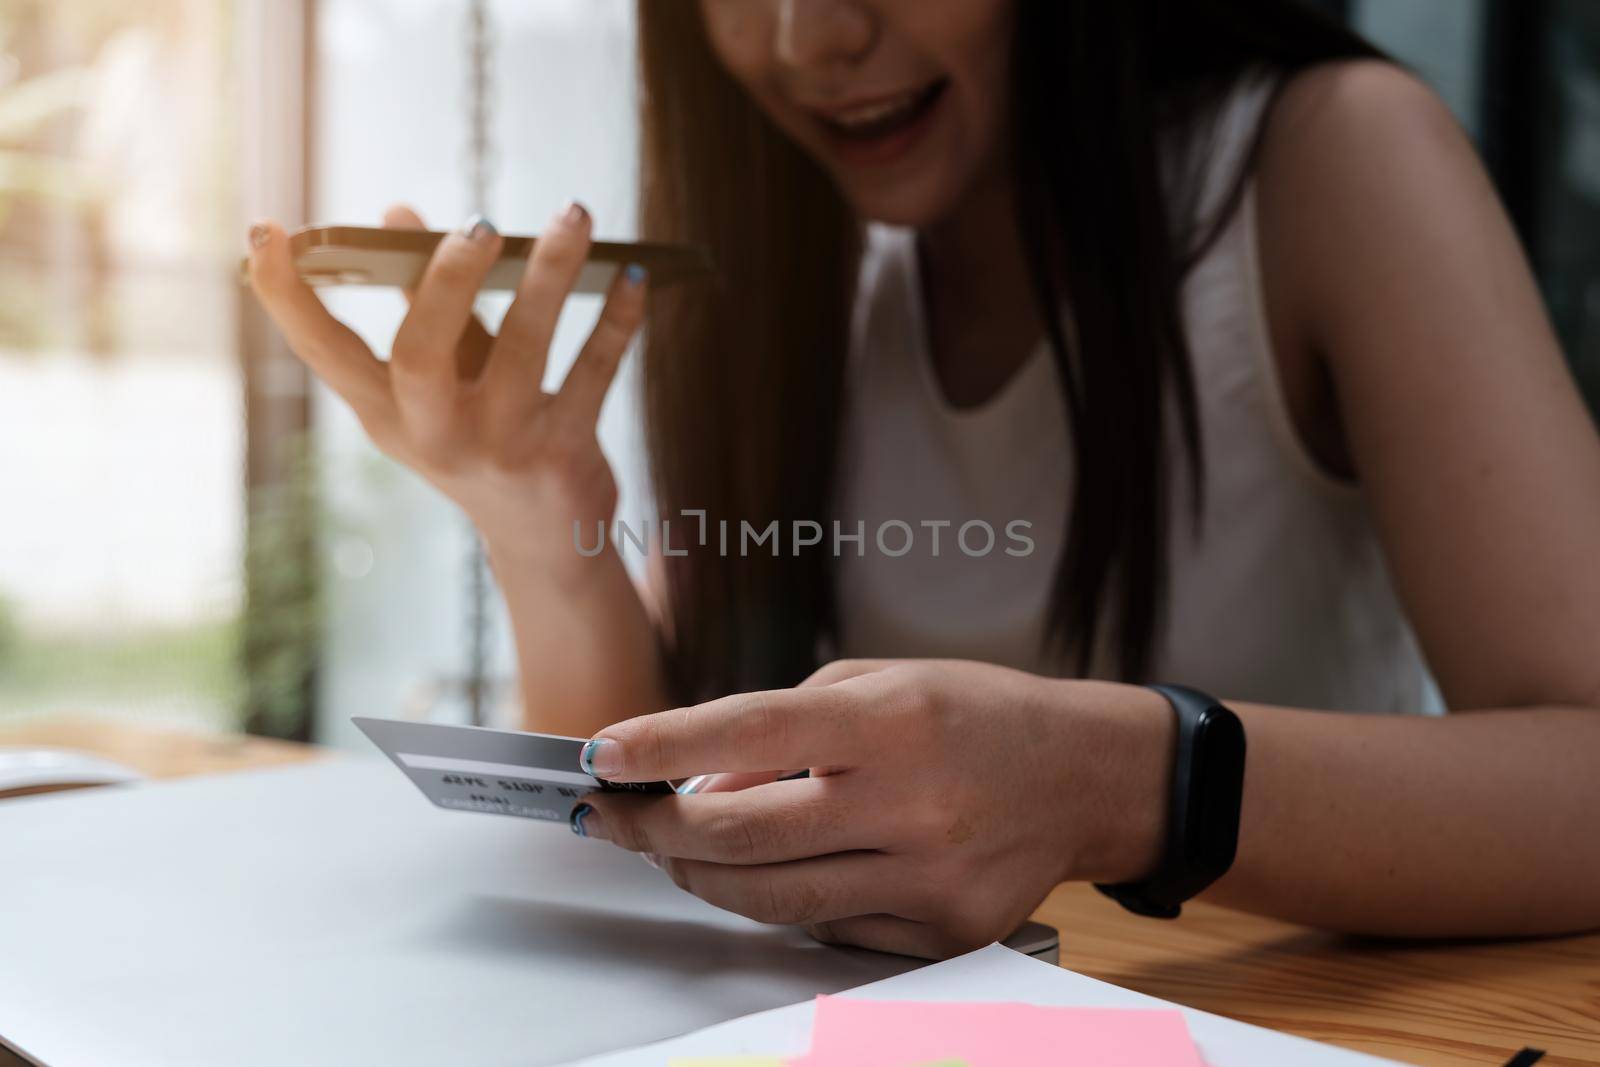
(465, 409)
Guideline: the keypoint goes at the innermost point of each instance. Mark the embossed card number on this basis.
(501, 772)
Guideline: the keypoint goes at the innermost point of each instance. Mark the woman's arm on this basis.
(1478, 824)
(1392, 273)
(1390, 264)
(586, 644)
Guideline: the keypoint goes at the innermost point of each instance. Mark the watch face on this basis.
(1218, 789)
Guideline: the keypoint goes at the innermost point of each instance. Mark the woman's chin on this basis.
(915, 205)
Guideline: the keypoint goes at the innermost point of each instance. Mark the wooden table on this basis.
(154, 751)
(1419, 1003)
(1423, 1004)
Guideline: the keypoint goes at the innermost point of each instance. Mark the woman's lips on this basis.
(882, 130)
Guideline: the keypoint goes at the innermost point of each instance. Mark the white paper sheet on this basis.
(993, 974)
(330, 915)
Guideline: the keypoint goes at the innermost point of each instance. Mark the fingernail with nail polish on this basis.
(586, 822)
(260, 234)
(636, 274)
(576, 214)
(478, 227)
(600, 756)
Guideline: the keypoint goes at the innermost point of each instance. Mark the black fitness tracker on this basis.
(1203, 817)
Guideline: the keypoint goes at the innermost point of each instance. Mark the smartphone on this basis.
(1037, 940)
(368, 255)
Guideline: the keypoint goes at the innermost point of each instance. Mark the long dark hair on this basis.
(742, 381)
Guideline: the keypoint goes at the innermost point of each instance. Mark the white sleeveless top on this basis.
(1282, 598)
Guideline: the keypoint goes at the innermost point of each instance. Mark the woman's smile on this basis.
(875, 131)
(903, 102)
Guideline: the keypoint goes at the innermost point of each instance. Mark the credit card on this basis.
(501, 772)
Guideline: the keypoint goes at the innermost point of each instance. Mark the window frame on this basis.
(275, 51)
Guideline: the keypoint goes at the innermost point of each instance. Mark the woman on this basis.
(1203, 309)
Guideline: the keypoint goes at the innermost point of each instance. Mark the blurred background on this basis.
(192, 532)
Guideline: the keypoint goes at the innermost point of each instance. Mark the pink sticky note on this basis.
(867, 1033)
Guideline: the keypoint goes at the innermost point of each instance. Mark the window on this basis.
(1563, 216)
(121, 441)
(392, 81)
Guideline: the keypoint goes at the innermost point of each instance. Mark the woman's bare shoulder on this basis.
(1360, 109)
(1361, 162)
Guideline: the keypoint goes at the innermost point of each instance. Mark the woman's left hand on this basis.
(946, 798)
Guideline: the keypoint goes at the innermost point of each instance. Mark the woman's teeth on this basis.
(872, 113)
(883, 116)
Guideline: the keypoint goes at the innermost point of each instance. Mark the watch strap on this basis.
(1203, 810)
